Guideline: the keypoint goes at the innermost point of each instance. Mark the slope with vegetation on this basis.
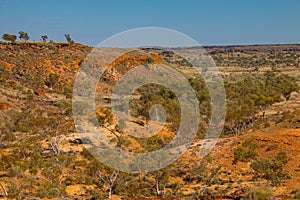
(42, 156)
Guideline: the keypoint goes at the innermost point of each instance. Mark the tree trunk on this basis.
(109, 192)
(157, 187)
(4, 190)
(263, 111)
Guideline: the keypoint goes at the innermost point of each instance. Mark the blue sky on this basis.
(214, 22)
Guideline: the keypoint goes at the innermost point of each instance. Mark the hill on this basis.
(43, 156)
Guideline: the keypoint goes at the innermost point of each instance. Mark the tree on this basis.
(161, 180)
(55, 147)
(69, 39)
(286, 85)
(108, 177)
(44, 38)
(111, 180)
(23, 36)
(9, 37)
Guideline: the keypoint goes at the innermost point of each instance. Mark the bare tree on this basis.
(110, 179)
(213, 175)
(54, 143)
(262, 110)
(161, 179)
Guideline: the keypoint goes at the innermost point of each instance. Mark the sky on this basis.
(209, 22)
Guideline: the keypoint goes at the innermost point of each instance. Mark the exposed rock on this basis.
(4, 106)
(39, 92)
(76, 141)
(294, 96)
(6, 77)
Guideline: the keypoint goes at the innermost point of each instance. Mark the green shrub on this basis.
(29, 94)
(65, 107)
(8, 136)
(14, 190)
(122, 141)
(271, 170)
(49, 190)
(6, 161)
(282, 157)
(243, 155)
(36, 160)
(297, 195)
(86, 154)
(260, 193)
(15, 171)
(33, 170)
(249, 143)
(23, 127)
(68, 91)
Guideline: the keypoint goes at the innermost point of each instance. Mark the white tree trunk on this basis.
(109, 192)
(4, 190)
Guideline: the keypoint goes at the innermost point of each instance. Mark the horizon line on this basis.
(207, 45)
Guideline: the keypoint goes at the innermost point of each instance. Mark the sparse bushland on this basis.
(246, 95)
(249, 94)
(40, 158)
(262, 168)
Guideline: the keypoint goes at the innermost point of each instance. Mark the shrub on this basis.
(260, 193)
(272, 147)
(86, 154)
(68, 91)
(36, 160)
(243, 155)
(297, 195)
(15, 171)
(51, 80)
(282, 157)
(48, 190)
(8, 136)
(14, 190)
(65, 107)
(29, 94)
(123, 141)
(6, 161)
(249, 143)
(271, 170)
(33, 170)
